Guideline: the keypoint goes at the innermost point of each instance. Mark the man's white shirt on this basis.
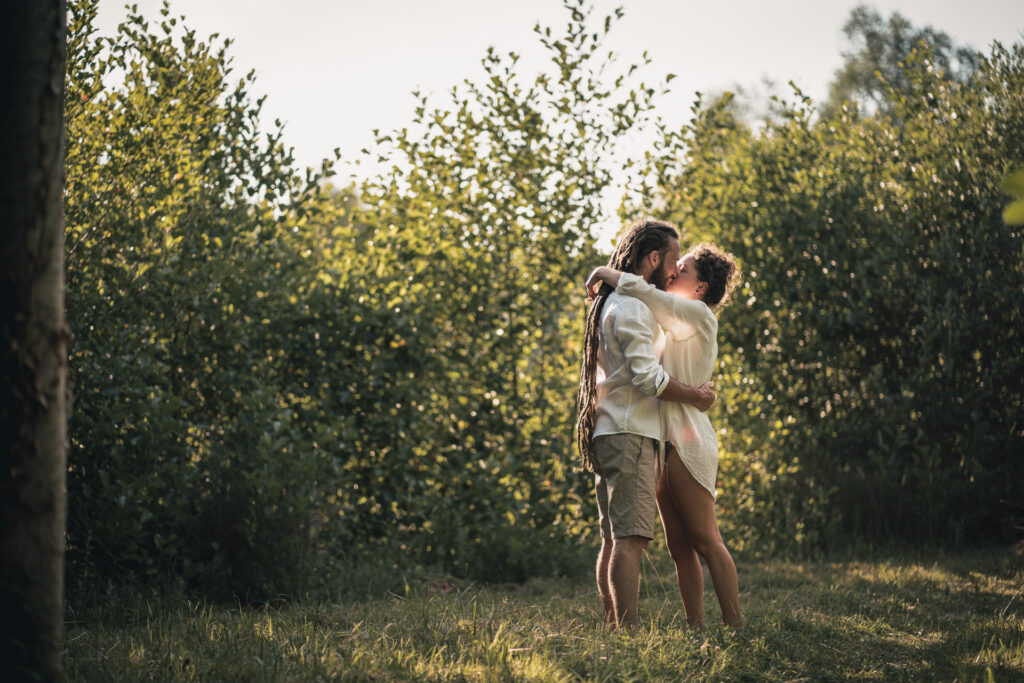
(630, 376)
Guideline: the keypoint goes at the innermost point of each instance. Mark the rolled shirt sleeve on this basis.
(636, 339)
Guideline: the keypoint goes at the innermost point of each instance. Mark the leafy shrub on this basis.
(872, 386)
(185, 458)
(271, 379)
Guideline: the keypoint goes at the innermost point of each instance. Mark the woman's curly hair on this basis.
(719, 270)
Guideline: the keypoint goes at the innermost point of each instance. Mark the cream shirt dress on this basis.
(691, 349)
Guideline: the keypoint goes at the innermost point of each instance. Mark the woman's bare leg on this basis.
(696, 508)
(689, 574)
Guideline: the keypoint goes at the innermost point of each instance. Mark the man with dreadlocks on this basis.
(619, 422)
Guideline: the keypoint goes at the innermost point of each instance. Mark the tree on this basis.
(470, 260)
(872, 377)
(32, 365)
(267, 376)
(878, 49)
(184, 228)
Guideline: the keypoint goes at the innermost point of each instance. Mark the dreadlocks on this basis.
(639, 239)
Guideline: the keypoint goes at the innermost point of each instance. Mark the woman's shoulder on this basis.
(708, 316)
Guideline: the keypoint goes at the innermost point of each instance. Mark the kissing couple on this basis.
(648, 355)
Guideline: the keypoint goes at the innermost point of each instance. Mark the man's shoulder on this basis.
(622, 306)
(626, 302)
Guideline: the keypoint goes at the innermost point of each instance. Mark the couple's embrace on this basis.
(641, 425)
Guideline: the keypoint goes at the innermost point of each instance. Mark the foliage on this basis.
(1013, 185)
(872, 385)
(186, 455)
(875, 62)
(273, 378)
(929, 617)
(270, 378)
(468, 255)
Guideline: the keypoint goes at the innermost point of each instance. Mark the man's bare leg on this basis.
(604, 589)
(624, 577)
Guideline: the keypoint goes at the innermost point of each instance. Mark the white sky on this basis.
(333, 70)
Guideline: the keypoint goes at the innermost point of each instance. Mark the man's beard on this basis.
(659, 278)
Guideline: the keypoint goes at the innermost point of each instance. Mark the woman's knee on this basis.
(679, 549)
(708, 544)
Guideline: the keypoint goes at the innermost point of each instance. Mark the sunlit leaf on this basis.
(1014, 213)
(1013, 184)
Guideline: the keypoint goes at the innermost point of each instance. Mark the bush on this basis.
(872, 374)
(273, 377)
(186, 459)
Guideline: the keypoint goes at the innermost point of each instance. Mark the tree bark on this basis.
(33, 338)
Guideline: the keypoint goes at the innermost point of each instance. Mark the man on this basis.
(619, 424)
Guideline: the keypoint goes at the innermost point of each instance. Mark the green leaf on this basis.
(1014, 213)
(1013, 184)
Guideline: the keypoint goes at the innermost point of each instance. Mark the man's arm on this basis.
(647, 374)
(636, 340)
(700, 397)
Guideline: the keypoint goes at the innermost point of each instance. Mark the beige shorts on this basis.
(626, 484)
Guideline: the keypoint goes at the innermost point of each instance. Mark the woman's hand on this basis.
(594, 283)
(601, 275)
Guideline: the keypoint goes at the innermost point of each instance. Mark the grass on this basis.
(935, 617)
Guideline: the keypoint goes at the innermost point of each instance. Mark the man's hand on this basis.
(705, 397)
(700, 397)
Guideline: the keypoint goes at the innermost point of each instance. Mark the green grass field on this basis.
(934, 617)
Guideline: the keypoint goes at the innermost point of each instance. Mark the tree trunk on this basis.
(33, 337)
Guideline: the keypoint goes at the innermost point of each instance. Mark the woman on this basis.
(686, 491)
